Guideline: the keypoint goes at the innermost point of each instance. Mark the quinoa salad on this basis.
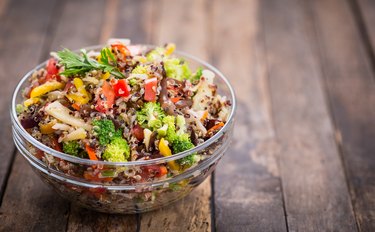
(120, 104)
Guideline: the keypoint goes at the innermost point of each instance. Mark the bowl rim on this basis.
(18, 127)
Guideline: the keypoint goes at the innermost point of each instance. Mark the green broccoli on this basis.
(188, 161)
(177, 69)
(139, 70)
(105, 130)
(181, 124)
(151, 116)
(132, 81)
(179, 140)
(183, 143)
(71, 148)
(197, 75)
(117, 151)
(171, 128)
(156, 54)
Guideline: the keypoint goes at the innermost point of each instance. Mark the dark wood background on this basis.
(303, 155)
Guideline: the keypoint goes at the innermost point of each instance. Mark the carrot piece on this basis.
(175, 99)
(76, 106)
(216, 127)
(91, 153)
(163, 170)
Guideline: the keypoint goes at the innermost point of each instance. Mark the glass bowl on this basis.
(121, 187)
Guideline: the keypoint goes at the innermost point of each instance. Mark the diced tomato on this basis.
(122, 48)
(107, 103)
(150, 89)
(52, 70)
(51, 67)
(138, 132)
(39, 154)
(154, 170)
(55, 144)
(95, 177)
(121, 88)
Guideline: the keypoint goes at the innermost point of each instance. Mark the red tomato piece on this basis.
(121, 88)
(52, 70)
(150, 89)
(155, 170)
(122, 48)
(103, 104)
(138, 132)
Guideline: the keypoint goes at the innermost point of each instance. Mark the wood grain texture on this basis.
(351, 91)
(29, 205)
(77, 29)
(134, 20)
(178, 21)
(248, 193)
(27, 38)
(367, 12)
(314, 186)
(3, 7)
(86, 220)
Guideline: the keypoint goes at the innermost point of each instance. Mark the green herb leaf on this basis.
(75, 64)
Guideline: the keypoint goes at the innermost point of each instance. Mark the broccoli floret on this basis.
(105, 130)
(187, 161)
(71, 148)
(162, 131)
(183, 143)
(132, 81)
(179, 140)
(19, 108)
(117, 151)
(171, 128)
(181, 124)
(197, 75)
(156, 54)
(177, 69)
(150, 116)
(139, 70)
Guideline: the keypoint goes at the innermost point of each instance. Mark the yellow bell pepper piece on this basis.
(31, 101)
(45, 88)
(170, 49)
(82, 97)
(166, 151)
(47, 128)
(106, 75)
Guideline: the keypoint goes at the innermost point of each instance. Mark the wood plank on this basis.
(86, 220)
(17, 45)
(121, 19)
(29, 204)
(192, 213)
(76, 30)
(351, 91)
(247, 187)
(3, 7)
(315, 191)
(133, 19)
(366, 10)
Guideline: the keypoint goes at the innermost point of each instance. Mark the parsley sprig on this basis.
(79, 64)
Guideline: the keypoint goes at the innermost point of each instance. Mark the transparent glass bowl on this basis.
(65, 173)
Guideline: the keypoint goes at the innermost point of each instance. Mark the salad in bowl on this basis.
(123, 128)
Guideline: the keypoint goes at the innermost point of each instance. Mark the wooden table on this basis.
(303, 155)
